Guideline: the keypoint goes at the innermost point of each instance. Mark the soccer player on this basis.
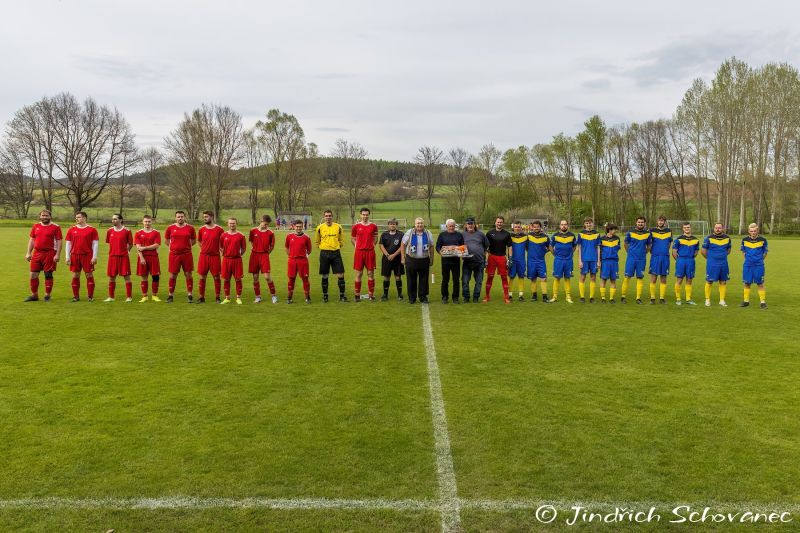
(147, 241)
(538, 246)
(500, 253)
(232, 245)
(519, 249)
(364, 235)
(120, 241)
(716, 248)
(44, 252)
(637, 244)
(562, 246)
(180, 237)
(329, 238)
(588, 242)
(475, 260)
(208, 261)
(754, 249)
(298, 247)
(684, 251)
(660, 242)
(262, 241)
(391, 265)
(451, 266)
(83, 243)
(609, 262)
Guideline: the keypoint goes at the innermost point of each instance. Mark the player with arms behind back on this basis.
(83, 243)
(684, 250)
(609, 262)
(262, 242)
(120, 241)
(754, 249)
(147, 241)
(364, 235)
(298, 246)
(44, 251)
(232, 245)
(716, 248)
(180, 237)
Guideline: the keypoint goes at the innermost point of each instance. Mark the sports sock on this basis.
(762, 294)
(543, 284)
(504, 281)
(386, 288)
(271, 285)
(581, 289)
(708, 291)
(112, 288)
(217, 282)
(238, 288)
(521, 286)
(202, 286)
(746, 295)
(639, 288)
(662, 293)
(625, 287)
(90, 287)
(324, 286)
(143, 287)
(592, 288)
(371, 287)
(340, 283)
(154, 286)
(399, 284)
(227, 288)
(723, 289)
(602, 293)
(48, 285)
(128, 289)
(489, 282)
(171, 284)
(189, 285)
(567, 288)
(652, 290)
(76, 287)
(291, 286)
(555, 287)
(257, 289)
(678, 292)
(688, 290)
(357, 286)
(306, 287)
(612, 292)
(35, 286)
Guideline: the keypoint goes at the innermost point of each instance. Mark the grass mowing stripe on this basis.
(448, 493)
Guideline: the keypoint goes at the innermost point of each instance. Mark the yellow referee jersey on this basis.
(329, 237)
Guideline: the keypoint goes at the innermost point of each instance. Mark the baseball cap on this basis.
(470, 220)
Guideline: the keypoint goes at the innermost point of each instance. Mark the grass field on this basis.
(157, 417)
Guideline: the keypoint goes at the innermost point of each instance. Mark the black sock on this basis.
(399, 283)
(340, 282)
(324, 285)
(386, 287)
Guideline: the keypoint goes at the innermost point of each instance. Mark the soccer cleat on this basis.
(583, 300)
(652, 301)
(662, 301)
(238, 300)
(356, 300)
(763, 305)
(289, 301)
(552, 300)
(412, 301)
(690, 302)
(257, 300)
(545, 299)
(89, 299)
(569, 299)
(109, 299)
(611, 301)
(46, 297)
(423, 300)
(274, 299)
(325, 298)
(170, 299)
(591, 300)
(476, 299)
(521, 298)
(400, 297)
(677, 302)
(128, 300)
(218, 300)
(342, 298)
(308, 300)
(744, 304)
(639, 301)
(189, 298)
(456, 301)
(155, 298)
(371, 298)
(76, 299)
(723, 303)
(225, 301)
(384, 298)
(534, 297)
(602, 300)
(32, 298)
(201, 300)
(708, 303)
(623, 300)
(485, 300)
(445, 300)
(143, 299)
(506, 300)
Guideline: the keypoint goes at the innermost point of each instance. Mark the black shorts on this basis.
(392, 267)
(330, 260)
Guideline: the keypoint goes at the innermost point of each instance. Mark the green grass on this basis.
(566, 403)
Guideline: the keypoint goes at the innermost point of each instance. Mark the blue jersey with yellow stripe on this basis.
(637, 242)
(660, 241)
(519, 245)
(609, 248)
(563, 244)
(538, 246)
(754, 250)
(686, 246)
(717, 247)
(588, 241)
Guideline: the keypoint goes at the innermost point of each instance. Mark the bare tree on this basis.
(430, 160)
(221, 134)
(121, 186)
(350, 170)
(458, 175)
(152, 160)
(254, 171)
(16, 185)
(485, 163)
(284, 140)
(185, 157)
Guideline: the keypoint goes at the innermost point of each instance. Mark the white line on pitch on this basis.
(445, 473)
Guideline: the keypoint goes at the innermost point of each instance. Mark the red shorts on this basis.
(183, 261)
(208, 263)
(364, 259)
(151, 266)
(298, 266)
(498, 263)
(80, 262)
(259, 262)
(232, 267)
(43, 261)
(118, 265)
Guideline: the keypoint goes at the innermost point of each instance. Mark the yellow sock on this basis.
(688, 289)
(639, 287)
(624, 287)
(544, 287)
(722, 290)
(663, 291)
(568, 288)
(602, 293)
(762, 293)
(678, 292)
(555, 288)
(611, 292)
(746, 294)
(520, 286)
(652, 291)
(533, 286)
(592, 288)
(582, 289)
(708, 291)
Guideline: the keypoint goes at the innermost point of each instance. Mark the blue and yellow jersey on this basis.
(563, 244)
(588, 241)
(718, 247)
(660, 241)
(538, 246)
(754, 250)
(519, 245)
(609, 247)
(687, 247)
(637, 242)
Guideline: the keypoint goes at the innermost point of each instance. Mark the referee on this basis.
(329, 237)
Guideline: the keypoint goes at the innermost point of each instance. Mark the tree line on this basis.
(729, 153)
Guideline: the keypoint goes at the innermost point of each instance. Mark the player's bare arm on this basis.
(29, 253)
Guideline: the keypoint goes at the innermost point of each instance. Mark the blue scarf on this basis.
(412, 248)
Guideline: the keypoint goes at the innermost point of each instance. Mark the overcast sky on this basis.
(390, 75)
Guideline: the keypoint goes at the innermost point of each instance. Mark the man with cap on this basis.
(474, 263)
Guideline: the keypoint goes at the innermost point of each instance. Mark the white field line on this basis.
(449, 504)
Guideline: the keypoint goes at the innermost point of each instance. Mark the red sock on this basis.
(128, 289)
(154, 286)
(189, 285)
(217, 282)
(112, 286)
(144, 288)
(504, 279)
(35, 286)
(48, 285)
(357, 283)
(90, 287)
(238, 288)
(76, 287)
(271, 288)
(306, 287)
(227, 288)
(371, 287)
(202, 283)
(172, 286)
(257, 289)
(291, 286)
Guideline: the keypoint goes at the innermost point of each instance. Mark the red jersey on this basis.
(298, 245)
(233, 244)
(180, 238)
(119, 241)
(262, 241)
(45, 237)
(147, 238)
(81, 239)
(209, 239)
(365, 235)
